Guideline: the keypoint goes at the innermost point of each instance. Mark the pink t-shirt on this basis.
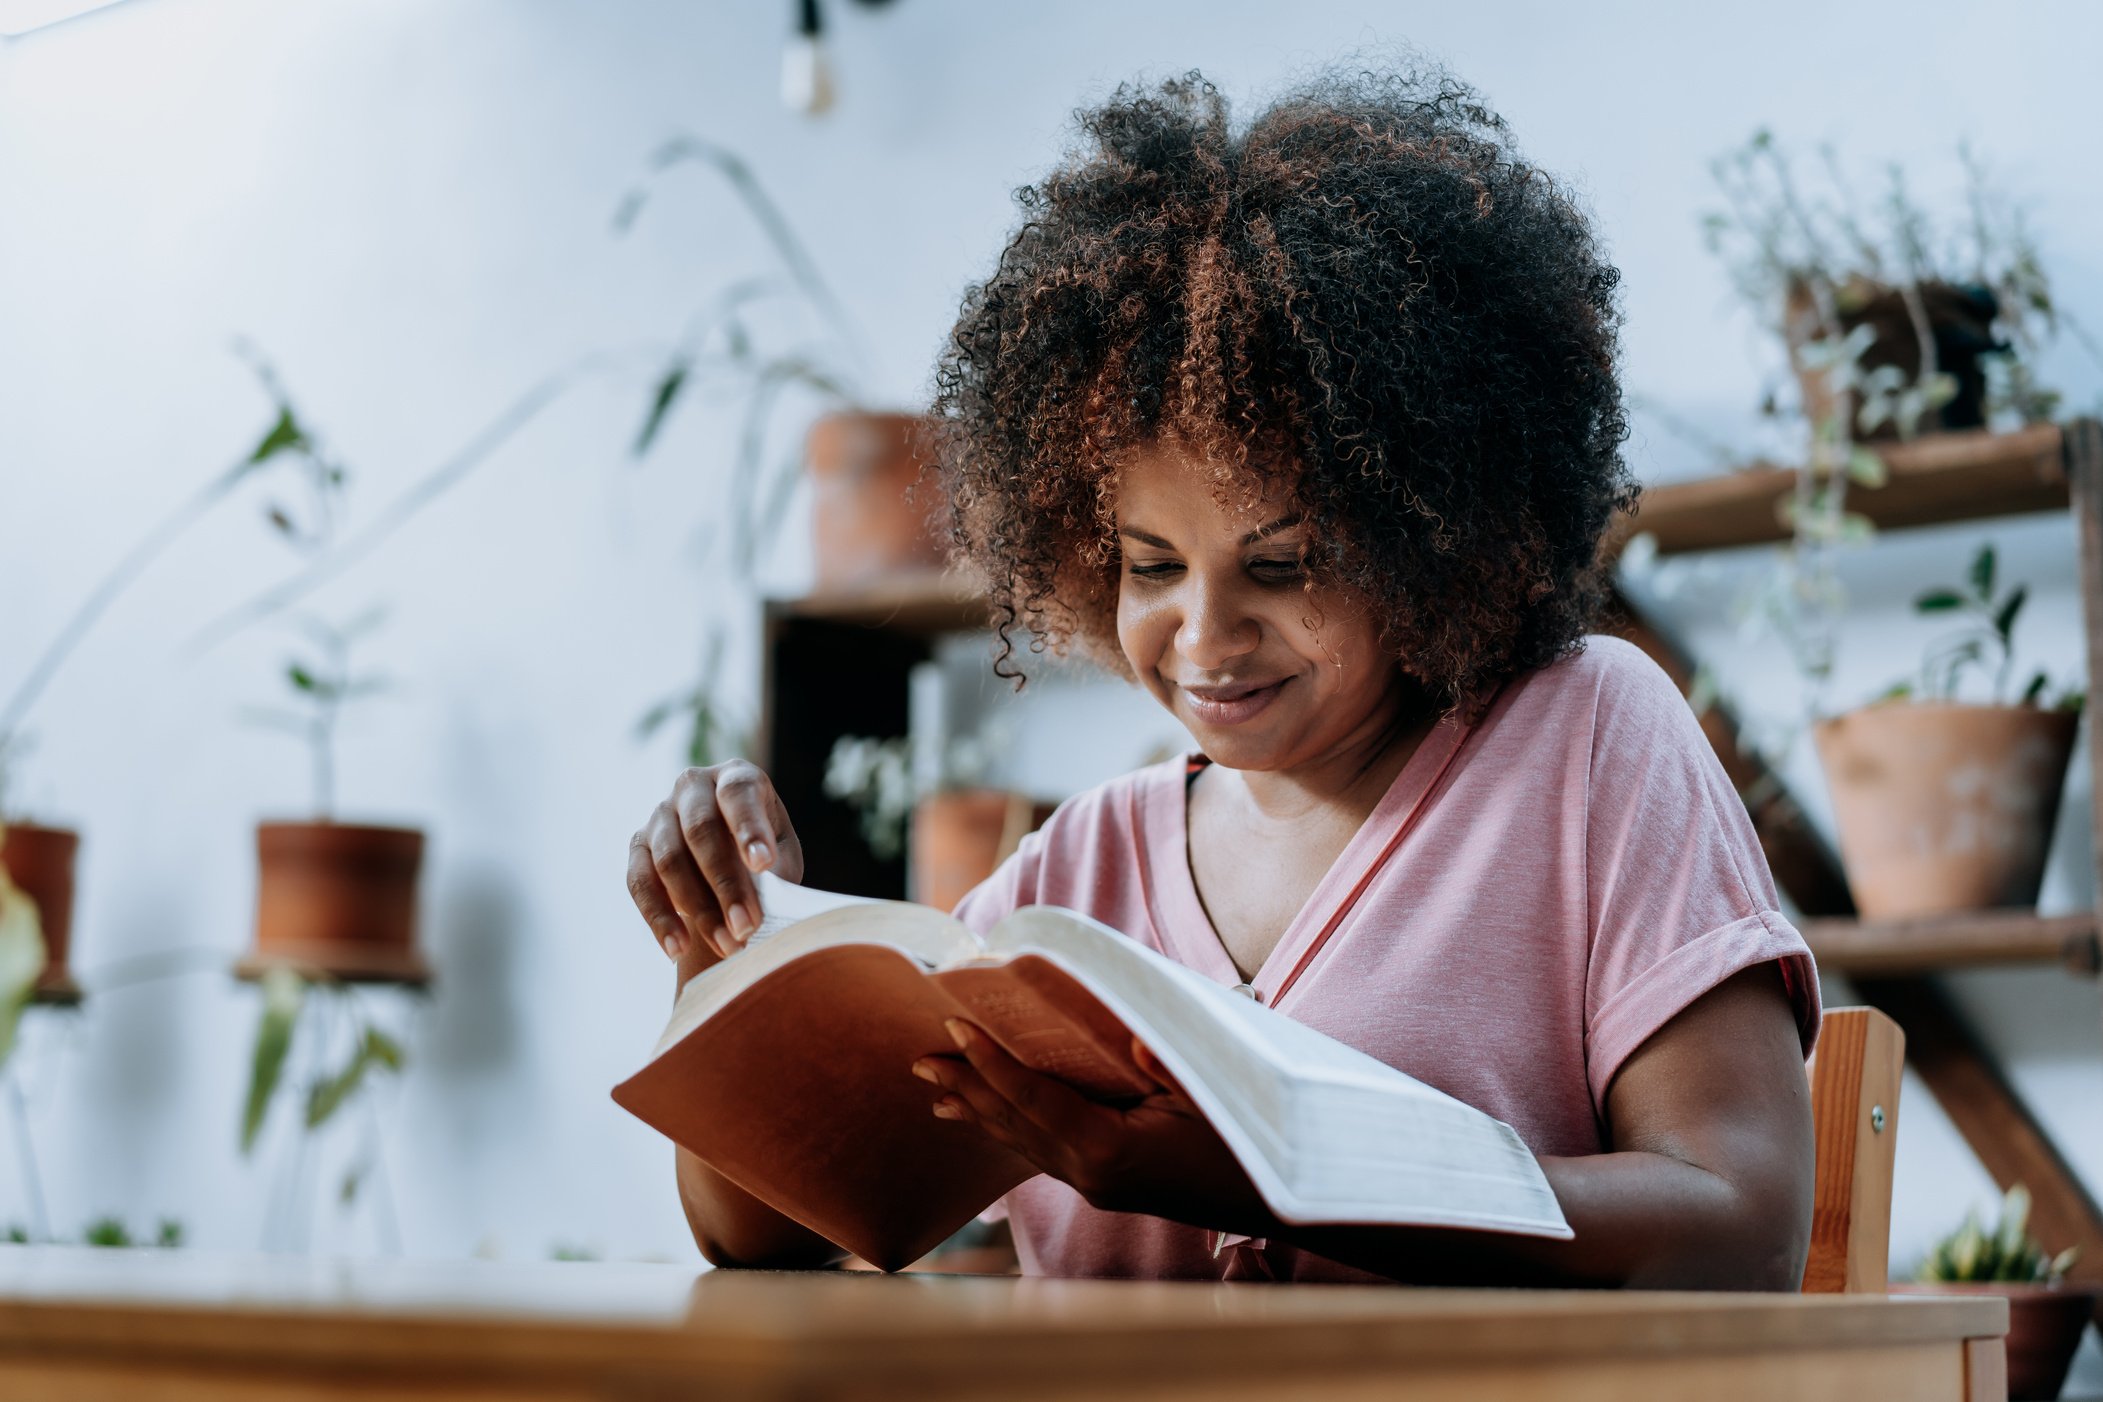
(1576, 871)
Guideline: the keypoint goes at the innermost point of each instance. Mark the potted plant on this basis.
(960, 829)
(335, 900)
(1891, 322)
(39, 859)
(1945, 805)
(784, 343)
(2046, 1316)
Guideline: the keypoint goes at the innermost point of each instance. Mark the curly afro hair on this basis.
(1364, 301)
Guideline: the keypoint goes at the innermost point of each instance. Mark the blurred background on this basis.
(393, 294)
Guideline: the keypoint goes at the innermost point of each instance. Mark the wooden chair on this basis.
(1855, 1108)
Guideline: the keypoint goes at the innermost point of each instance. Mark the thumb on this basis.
(1150, 1066)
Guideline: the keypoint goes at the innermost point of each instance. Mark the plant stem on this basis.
(445, 476)
(32, 1179)
(115, 583)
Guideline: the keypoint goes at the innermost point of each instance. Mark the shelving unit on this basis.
(1940, 480)
(838, 664)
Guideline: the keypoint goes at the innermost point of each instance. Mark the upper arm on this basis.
(1721, 1086)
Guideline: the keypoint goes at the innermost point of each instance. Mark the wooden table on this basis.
(151, 1325)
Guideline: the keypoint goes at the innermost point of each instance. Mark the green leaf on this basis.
(326, 1097)
(169, 1235)
(106, 1231)
(1982, 573)
(2004, 619)
(661, 404)
(1866, 469)
(284, 435)
(1938, 601)
(301, 678)
(22, 956)
(2034, 691)
(1897, 691)
(284, 994)
(2072, 701)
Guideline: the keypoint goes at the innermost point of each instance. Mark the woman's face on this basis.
(1213, 614)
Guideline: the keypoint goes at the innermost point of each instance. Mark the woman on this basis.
(1313, 431)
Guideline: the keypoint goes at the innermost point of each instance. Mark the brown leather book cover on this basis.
(800, 1090)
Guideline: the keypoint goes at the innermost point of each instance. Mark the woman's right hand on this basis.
(690, 866)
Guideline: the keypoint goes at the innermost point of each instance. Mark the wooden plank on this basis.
(1855, 1108)
(543, 1326)
(1971, 939)
(2084, 467)
(2010, 1144)
(1937, 478)
(1938, 1372)
(1803, 865)
(914, 603)
(1986, 1370)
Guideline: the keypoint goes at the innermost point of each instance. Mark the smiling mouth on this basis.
(1233, 705)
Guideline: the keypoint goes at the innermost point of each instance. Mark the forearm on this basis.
(1642, 1221)
(734, 1228)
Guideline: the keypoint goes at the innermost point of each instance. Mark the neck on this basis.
(1353, 773)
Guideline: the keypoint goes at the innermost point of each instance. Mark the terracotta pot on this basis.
(957, 840)
(1944, 808)
(873, 514)
(338, 900)
(1960, 318)
(2045, 1323)
(40, 861)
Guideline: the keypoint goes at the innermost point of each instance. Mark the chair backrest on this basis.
(1855, 1107)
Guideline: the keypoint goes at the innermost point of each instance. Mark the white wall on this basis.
(407, 204)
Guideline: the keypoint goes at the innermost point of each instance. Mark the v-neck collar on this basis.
(1182, 920)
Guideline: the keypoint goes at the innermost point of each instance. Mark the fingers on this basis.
(672, 862)
(691, 866)
(998, 1087)
(651, 898)
(746, 799)
(714, 806)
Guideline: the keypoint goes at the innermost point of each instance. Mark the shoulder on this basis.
(1608, 684)
(1086, 853)
(1114, 809)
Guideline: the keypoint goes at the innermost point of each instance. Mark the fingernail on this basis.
(719, 940)
(756, 855)
(740, 923)
(674, 944)
(957, 1033)
(926, 1072)
(946, 1111)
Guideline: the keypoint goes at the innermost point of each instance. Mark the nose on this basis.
(1215, 628)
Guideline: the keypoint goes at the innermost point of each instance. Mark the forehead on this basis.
(1164, 483)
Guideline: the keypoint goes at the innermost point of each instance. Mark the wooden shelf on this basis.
(1969, 940)
(920, 604)
(1935, 480)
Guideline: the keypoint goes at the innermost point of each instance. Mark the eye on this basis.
(1153, 569)
(1276, 571)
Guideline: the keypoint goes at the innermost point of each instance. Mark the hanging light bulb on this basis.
(806, 81)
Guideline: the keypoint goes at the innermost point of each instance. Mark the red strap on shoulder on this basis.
(1365, 879)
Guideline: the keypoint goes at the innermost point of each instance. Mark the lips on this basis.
(1234, 704)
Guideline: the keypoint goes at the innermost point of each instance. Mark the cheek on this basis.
(1143, 633)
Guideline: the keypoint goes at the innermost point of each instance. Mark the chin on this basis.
(1235, 750)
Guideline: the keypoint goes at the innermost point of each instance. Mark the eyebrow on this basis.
(1283, 523)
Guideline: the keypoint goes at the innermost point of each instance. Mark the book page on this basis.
(1324, 1131)
(797, 920)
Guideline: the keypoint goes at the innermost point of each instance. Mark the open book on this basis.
(787, 1068)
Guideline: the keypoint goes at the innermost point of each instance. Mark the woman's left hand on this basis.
(1160, 1157)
